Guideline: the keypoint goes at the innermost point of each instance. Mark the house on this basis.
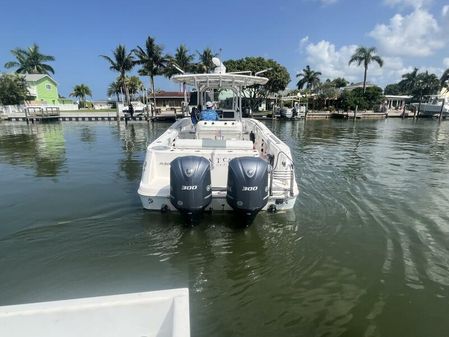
(352, 86)
(168, 99)
(42, 89)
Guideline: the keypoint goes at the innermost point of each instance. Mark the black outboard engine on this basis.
(247, 186)
(190, 186)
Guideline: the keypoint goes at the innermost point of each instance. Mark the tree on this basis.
(426, 84)
(121, 62)
(340, 82)
(444, 80)
(135, 85)
(13, 89)
(308, 78)
(366, 56)
(394, 89)
(152, 61)
(205, 64)
(115, 88)
(278, 77)
(30, 61)
(81, 91)
(182, 59)
(327, 92)
(409, 81)
(350, 99)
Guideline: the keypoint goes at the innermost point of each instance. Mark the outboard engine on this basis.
(190, 186)
(247, 191)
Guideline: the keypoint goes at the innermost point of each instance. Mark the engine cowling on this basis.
(190, 185)
(247, 190)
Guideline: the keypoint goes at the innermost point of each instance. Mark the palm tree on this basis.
(152, 61)
(409, 81)
(182, 59)
(308, 78)
(30, 61)
(426, 84)
(205, 64)
(81, 91)
(134, 85)
(115, 88)
(366, 56)
(121, 62)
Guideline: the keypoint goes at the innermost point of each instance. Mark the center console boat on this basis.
(231, 164)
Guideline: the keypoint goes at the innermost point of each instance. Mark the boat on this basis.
(232, 164)
(151, 314)
(432, 106)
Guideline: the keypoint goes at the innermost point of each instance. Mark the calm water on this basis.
(365, 252)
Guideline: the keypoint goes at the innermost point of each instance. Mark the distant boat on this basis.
(432, 106)
(150, 314)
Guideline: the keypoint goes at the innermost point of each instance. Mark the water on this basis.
(365, 252)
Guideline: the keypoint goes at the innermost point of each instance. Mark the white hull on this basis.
(218, 142)
(431, 108)
(150, 314)
(219, 203)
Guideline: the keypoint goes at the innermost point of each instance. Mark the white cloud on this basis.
(332, 62)
(303, 42)
(445, 11)
(408, 3)
(416, 34)
(446, 62)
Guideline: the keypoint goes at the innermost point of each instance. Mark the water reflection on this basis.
(364, 252)
(134, 139)
(88, 134)
(41, 147)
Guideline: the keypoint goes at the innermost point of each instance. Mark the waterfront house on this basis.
(42, 89)
(168, 99)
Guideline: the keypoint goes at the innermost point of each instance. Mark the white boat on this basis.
(432, 107)
(234, 163)
(150, 314)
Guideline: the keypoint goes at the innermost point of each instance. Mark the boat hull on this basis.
(219, 203)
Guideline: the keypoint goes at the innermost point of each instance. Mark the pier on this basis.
(47, 116)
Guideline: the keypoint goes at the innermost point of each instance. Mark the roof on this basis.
(358, 85)
(398, 97)
(226, 80)
(170, 94)
(37, 77)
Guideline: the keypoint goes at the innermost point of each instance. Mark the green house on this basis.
(42, 89)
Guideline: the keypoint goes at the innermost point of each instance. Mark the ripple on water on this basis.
(365, 250)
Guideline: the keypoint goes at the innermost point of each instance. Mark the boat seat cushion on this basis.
(213, 144)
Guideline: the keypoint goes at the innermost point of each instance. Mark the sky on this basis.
(295, 33)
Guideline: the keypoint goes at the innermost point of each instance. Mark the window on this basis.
(48, 86)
